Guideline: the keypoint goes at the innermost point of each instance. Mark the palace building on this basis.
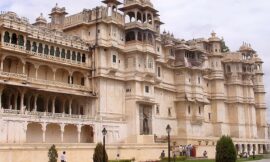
(64, 80)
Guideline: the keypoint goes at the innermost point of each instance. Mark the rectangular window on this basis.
(82, 81)
(189, 110)
(209, 116)
(199, 110)
(157, 109)
(169, 111)
(114, 58)
(147, 89)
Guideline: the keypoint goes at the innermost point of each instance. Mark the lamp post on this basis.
(104, 132)
(168, 129)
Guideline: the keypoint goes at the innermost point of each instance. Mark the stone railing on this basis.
(57, 84)
(19, 48)
(13, 75)
(45, 115)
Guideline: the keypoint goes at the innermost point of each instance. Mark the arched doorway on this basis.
(53, 133)
(70, 134)
(34, 133)
(87, 134)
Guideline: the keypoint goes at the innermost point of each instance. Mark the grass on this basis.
(212, 160)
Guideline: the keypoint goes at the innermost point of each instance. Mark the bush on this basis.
(52, 154)
(225, 150)
(98, 154)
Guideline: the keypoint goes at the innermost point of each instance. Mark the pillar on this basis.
(54, 71)
(9, 102)
(62, 132)
(63, 106)
(22, 102)
(2, 64)
(1, 92)
(23, 68)
(44, 125)
(28, 103)
(47, 105)
(35, 103)
(79, 133)
(70, 108)
(36, 68)
(53, 105)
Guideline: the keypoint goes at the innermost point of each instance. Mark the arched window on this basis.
(52, 51)
(73, 56)
(68, 54)
(34, 47)
(57, 52)
(139, 36)
(228, 68)
(46, 50)
(83, 58)
(139, 17)
(149, 18)
(14, 39)
(40, 48)
(6, 37)
(28, 45)
(20, 40)
(79, 57)
(63, 53)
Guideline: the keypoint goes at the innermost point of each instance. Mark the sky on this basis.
(237, 21)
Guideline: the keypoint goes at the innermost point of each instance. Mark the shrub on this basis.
(225, 150)
(52, 154)
(98, 154)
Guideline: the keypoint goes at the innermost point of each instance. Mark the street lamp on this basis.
(104, 132)
(168, 129)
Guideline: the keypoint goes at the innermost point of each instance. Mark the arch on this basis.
(58, 105)
(83, 58)
(70, 134)
(63, 53)
(53, 133)
(139, 17)
(34, 133)
(131, 17)
(73, 55)
(79, 57)
(46, 49)
(139, 37)
(87, 134)
(130, 36)
(14, 38)
(21, 40)
(34, 47)
(61, 75)
(78, 78)
(30, 70)
(12, 64)
(68, 54)
(52, 51)
(40, 48)
(28, 45)
(8, 98)
(6, 37)
(45, 73)
(150, 19)
(41, 104)
(57, 52)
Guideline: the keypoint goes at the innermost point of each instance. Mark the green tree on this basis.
(225, 150)
(52, 154)
(98, 154)
(224, 48)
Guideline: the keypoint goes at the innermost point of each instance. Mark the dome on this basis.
(41, 19)
(214, 38)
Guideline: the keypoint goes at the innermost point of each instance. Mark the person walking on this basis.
(162, 155)
(63, 157)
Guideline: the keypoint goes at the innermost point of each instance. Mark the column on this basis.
(47, 105)
(23, 68)
(54, 71)
(36, 68)
(79, 133)
(70, 108)
(1, 92)
(62, 132)
(2, 64)
(35, 103)
(53, 105)
(9, 102)
(28, 103)
(44, 125)
(22, 102)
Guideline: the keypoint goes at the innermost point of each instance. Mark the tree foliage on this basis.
(52, 154)
(98, 154)
(225, 150)
(224, 48)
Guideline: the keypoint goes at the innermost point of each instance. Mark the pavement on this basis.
(265, 160)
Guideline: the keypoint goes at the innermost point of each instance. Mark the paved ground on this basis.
(265, 160)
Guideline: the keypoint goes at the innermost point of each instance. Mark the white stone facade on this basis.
(63, 81)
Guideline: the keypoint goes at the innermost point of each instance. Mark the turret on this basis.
(215, 46)
(57, 16)
(247, 51)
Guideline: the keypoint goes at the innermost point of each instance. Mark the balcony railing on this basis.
(46, 115)
(22, 49)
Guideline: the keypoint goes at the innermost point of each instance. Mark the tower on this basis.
(57, 16)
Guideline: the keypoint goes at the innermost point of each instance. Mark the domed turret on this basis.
(41, 21)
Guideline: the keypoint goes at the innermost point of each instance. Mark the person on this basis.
(162, 155)
(63, 157)
(253, 154)
(205, 154)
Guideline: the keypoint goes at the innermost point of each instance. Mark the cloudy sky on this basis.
(235, 20)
